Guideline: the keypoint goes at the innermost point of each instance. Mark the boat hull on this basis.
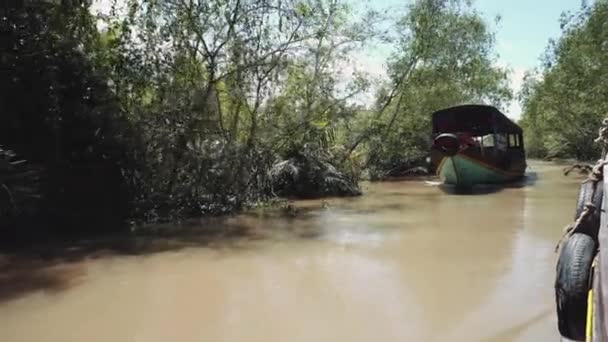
(465, 171)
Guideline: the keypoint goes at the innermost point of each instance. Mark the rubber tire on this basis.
(591, 227)
(572, 285)
(453, 150)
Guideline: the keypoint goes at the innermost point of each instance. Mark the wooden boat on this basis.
(597, 313)
(476, 144)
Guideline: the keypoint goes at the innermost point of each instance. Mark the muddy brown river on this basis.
(405, 262)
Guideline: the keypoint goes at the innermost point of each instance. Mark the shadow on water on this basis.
(56, 266)
(20, 276)
(475, 190)
(528, 180)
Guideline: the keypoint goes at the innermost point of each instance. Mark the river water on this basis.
(407, 261)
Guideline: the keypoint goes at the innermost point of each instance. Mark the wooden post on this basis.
(600, 283)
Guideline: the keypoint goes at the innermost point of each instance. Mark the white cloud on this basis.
(516, 80)
(505, 46)
(364, 61)
(101, 6)
(374, 66)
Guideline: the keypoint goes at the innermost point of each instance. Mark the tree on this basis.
(222, 89)
(565, 101)
(58, 114)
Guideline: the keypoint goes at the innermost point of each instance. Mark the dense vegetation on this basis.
(566, 100)
(167, 109)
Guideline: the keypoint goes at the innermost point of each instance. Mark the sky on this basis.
(521, 35)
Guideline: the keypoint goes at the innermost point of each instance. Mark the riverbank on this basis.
(216, 230)
(204, 230)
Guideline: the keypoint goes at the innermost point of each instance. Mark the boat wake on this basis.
(432, 183)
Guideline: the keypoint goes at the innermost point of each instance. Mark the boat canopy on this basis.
(478, 120)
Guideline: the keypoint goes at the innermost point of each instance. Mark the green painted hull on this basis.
(461, 171)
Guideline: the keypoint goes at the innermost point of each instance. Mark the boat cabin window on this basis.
(520, 140)
(487, 140)
(501, 141)
(515, 140)
(493, 140)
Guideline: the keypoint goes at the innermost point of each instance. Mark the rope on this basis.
(603, 134)
(597, 172)
(573, 227)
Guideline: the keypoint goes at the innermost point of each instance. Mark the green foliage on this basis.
(169, 109)
(565, 101)
(58, 114)
(222, 90)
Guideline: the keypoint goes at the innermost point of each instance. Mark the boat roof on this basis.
(474, 118)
